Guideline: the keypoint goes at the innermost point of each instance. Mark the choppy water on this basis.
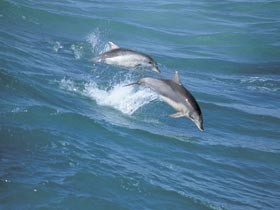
(72, 137)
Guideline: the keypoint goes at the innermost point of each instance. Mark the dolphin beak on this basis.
(199, 125)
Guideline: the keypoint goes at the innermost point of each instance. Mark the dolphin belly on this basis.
(175, 105)
(126, 60)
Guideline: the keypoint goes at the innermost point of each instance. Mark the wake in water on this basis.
(124, 99)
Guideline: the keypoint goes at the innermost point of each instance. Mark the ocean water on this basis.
(73, 137)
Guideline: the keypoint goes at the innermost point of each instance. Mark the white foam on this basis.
(68, 84)
(125, 99)
(57, 46)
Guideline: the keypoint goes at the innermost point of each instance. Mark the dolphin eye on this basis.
(191, 116)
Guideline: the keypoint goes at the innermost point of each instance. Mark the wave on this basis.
(262, 84)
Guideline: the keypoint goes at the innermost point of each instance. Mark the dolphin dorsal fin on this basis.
(113, 45)
(176, 78)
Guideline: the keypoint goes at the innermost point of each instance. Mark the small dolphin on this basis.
(126, 57)
(177, 96)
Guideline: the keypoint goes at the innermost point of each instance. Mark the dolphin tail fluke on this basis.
(133, 83)
(177, 115)
(95, 59)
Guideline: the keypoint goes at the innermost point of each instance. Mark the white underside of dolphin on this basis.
(182, 110)
(126, 58)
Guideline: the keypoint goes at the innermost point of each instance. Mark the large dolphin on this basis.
(125, 57)
(177, 96)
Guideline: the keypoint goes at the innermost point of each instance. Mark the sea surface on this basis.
(72, 136)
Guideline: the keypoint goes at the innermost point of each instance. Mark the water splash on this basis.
(78, 50)
(94, 39)
(57, 46)
(124, 99)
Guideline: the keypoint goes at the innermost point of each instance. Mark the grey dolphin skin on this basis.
(177, 96)
(126, 57)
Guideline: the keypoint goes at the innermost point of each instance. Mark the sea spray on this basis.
(124, 99)
(96, 40)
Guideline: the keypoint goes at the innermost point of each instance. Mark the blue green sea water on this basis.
(73, 137)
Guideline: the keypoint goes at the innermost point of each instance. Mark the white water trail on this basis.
(125, 99)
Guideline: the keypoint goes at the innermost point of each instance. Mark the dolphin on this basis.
(125, 57)
(177, 96)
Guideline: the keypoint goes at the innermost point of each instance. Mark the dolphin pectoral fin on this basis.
(156, 69)
(113, 45)
(177, 115)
